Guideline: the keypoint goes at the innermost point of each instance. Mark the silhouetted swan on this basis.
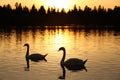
(72, 63)
(33, 57)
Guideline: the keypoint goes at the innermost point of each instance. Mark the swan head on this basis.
(61, 48)
(26, 44)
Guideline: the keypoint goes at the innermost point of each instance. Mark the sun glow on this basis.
(59, 4)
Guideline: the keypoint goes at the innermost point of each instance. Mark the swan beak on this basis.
(24, 45)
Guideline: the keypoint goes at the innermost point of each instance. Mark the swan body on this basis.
(72, 63)
(75, 64)
(34, 57)
(37, 57)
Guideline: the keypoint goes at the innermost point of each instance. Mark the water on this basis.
(100, 47)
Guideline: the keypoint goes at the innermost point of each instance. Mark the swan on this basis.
(33, 57)
(72, 63)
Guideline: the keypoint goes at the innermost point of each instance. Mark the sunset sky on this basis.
(67, 4)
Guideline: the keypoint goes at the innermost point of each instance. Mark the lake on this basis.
(100, 46)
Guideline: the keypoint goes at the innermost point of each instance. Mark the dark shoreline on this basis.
(73, 27)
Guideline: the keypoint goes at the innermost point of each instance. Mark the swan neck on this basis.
(27, 52)
(63, 58)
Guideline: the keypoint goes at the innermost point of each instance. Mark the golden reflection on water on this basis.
(100, 47)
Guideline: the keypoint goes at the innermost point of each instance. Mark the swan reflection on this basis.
(28, 64)
(71, 69)
(64, 72)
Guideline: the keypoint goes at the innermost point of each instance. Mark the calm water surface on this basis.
(100, 47)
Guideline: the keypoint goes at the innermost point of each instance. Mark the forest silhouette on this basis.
(22, 15)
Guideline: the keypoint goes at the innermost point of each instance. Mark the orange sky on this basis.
(67, 4)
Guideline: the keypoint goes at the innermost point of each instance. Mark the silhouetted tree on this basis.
(42, 10)
(21, 15)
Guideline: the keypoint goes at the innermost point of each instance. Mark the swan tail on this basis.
(85, 61)
(45, 55)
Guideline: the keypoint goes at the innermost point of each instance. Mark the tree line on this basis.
(22, 15)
